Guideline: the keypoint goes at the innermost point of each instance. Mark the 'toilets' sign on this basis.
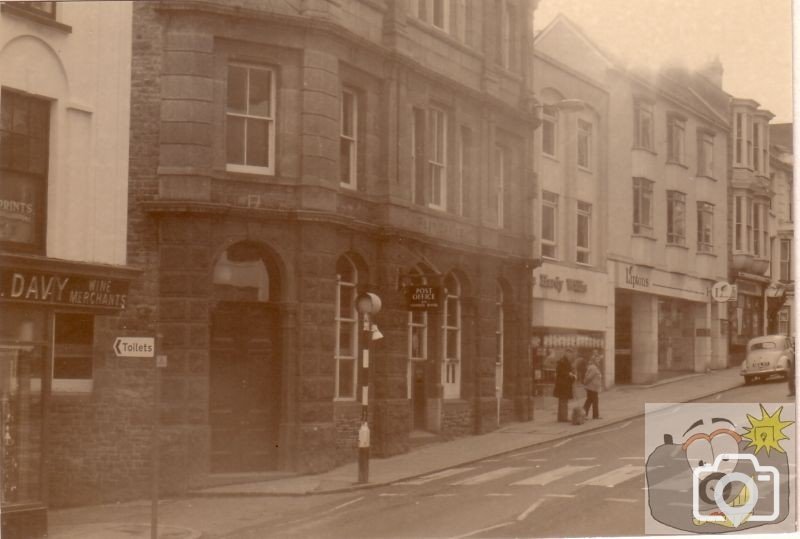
(134, 347)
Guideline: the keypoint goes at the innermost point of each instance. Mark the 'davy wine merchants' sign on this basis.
(63, 289)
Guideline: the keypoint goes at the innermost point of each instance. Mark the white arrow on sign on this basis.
(134, 347)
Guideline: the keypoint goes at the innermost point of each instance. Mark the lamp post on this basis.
(367, 304)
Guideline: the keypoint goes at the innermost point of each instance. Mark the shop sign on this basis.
(63, 289)
(423, 297)
(557, 284)
(635, 279)
(723, 291)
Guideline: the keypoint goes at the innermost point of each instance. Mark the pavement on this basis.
(131, 520)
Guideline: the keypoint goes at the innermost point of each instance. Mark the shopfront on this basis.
(665, 324)
(569, 311)
(48, 312)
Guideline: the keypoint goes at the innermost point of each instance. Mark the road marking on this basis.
(624, 500)
(562, 442)
(615, 477)
(631, 458)
(718, 396)
(554, 475)
(443, 495)
(584, 458)
(499, 494)
(490, 460)
(434, 476)
(536, 460)
(533, 507)
(610, 429)
(345, 504)
(476, 532)
(559, 495)
(393, 494)
(488, 476)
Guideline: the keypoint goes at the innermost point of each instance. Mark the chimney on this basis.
(713, 71)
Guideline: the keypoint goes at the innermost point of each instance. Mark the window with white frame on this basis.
(549, 130)
(743, 224)
(642, 206)
(676, 139)
(584, 231)
(743, 137)
(437, 159)
(643, 125)
(73, 340)
(760, 214)
(501, 172)
(786, 259)
(705, 153)
(584, 144)
(705, 227)
(757, 146)
(549, 224)
(346, 353)
(676, 218)
(757, 229)
(451, 364)
(464, 170)
(348, 140)
(250, 119)
(765, 150)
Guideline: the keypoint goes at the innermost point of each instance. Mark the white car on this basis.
(766, 356)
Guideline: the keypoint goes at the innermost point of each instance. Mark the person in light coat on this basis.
(593, 382)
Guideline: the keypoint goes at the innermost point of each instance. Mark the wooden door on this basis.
(245, 394)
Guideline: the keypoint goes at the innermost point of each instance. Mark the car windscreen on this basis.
(766, 345)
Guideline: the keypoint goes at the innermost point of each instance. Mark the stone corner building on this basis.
(286, 156)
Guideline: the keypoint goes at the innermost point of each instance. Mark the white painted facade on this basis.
(82, 64)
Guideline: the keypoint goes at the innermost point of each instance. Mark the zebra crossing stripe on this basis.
(488, 476)
(434, 476)
(614, 477)
(553, 475)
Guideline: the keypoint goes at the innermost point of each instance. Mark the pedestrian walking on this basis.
(593, 382)
(562, 389)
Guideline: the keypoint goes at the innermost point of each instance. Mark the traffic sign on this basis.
(134, 347)
(722, 291)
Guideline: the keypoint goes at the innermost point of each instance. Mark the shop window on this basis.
(705, 153)
(642, 206)
(346, 329)
(451, 316)
(250, 119)
(24, 152)
(549, 130)
(705, 227)
(584, 231)
(73, 355)
(584, 144)
(549, 225)
(437, 160)
(23, 355)
(643, 125)
(676, 139)
(784, 321)
(348, 140)
(786, 260)
(676, 218)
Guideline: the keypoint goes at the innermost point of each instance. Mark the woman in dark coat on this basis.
(563, 386)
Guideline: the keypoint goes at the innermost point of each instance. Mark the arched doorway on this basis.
(245, 362)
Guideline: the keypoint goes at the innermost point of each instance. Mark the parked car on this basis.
(768, 356)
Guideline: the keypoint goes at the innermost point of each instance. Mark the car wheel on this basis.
(748, 380)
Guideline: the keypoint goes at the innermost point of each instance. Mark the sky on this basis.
(753, 39)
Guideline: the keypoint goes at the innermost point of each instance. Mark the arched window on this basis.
(240, 275)
(451, 356)
(346, 328)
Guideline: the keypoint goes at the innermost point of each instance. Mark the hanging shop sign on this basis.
(723, 291)
(63, 289)
(423, 297)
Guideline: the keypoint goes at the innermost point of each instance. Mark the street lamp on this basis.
(367, 304)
